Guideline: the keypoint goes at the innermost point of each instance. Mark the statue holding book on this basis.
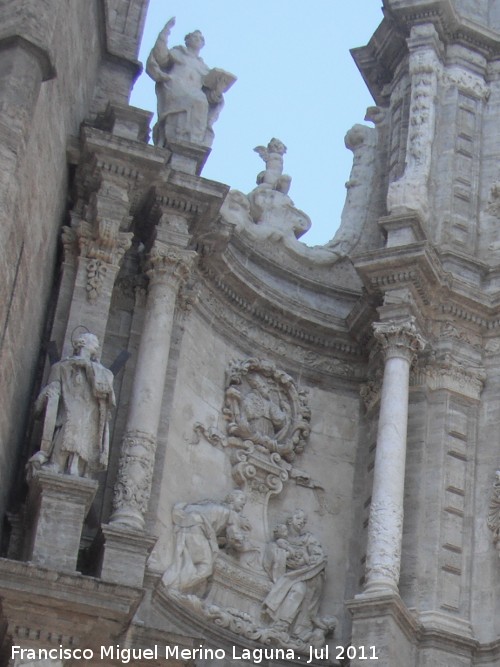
(189, 93)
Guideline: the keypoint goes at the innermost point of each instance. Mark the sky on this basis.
(296, 81)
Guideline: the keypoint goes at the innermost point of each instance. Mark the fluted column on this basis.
(400, 343)
(168, 268)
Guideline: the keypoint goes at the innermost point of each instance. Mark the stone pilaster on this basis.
(410, 192)
(400, 342)
(94, 247)
(168, 268)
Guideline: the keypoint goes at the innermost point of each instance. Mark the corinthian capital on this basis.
(399, 338)
(166, 262)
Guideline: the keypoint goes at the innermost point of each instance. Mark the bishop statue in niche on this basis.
(76, 404)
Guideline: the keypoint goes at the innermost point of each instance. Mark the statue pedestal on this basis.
(125, 555)
(57, 507)
(187, 157)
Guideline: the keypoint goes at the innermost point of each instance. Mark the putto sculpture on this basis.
(76, 405)
(273, 176)
(189, 93)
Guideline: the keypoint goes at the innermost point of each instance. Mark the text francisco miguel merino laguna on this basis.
(127, 655)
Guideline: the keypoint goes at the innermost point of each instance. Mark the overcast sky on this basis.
(296, 81)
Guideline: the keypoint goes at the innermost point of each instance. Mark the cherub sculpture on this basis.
(273, 176)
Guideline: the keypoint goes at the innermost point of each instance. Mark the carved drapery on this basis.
(400, 343)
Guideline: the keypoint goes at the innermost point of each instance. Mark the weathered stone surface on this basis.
(247, 365)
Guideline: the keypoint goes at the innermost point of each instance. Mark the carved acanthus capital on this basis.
(169, 264)
(105, 215)
(399, 339)
(95, 234)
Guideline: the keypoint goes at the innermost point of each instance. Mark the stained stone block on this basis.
(57, 507)
(385, 623)
(125, 555)
(188, 157)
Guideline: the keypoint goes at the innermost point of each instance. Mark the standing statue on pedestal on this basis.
(76, 403)
(190, 94)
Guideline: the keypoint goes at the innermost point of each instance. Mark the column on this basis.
(400, 343)
(169, 267)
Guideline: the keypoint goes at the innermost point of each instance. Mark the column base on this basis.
(383, 622)
(379, 587)
(57, 507)
(125, 553)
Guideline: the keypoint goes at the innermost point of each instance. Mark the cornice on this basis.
(333, 358)
(379, 59)
(419, 267)
(337, 279)
(282, 321)
(415, 265)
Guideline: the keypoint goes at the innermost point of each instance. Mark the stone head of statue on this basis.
(194, 40)
(87, 343)
(297, 521)
(236, 500)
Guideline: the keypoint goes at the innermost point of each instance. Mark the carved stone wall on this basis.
(273, 479)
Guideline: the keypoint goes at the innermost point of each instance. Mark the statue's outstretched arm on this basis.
(159, 58)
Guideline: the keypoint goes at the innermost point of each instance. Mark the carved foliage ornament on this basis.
(135, 473)
(399, 339)
(494, 512)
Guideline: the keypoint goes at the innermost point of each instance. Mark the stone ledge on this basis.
(72, 593)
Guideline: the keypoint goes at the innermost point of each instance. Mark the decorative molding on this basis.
(323, 359)
(386, 563)
(494, 512)
(466, 81)
(452, 376)
(134, 479)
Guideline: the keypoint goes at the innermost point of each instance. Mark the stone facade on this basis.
(282, 449)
